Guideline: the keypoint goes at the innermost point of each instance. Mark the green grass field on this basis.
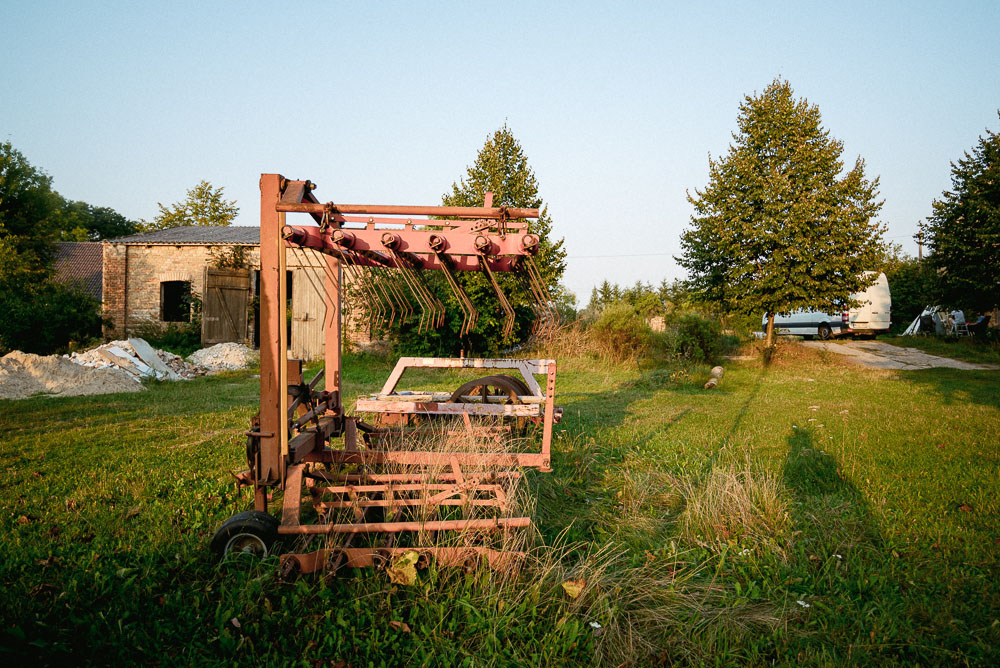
(807, 513)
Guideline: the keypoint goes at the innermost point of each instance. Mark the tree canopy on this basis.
(203, 205)
(963, 232)
(779, 226)
(39, 314)
(501, 167)
(79, 221)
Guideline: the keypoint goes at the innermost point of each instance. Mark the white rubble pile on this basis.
(224, 357)
(138, 359)
(23, 375)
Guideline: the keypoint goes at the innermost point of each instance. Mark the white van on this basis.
(871, 318)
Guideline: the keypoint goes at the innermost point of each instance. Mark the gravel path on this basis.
(877, 355)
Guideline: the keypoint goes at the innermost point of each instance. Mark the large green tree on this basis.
(203, 205)
(501, 167)
(963, 233)
(780, 226)
(79, 221)
(38, 314)
(28, 208)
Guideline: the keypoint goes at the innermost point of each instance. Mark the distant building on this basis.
(149, 278)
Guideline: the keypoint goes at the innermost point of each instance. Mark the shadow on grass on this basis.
(820, 492)
(587, 450)
(958, 386)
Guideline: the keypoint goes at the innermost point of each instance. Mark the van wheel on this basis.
(824, 332)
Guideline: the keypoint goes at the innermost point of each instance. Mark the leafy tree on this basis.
(79, 221)
(963, 233)
(501, 167)
(39, 315)
(28, 208)
(778, 228)
(204, 205)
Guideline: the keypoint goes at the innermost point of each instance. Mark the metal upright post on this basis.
(272, 423)
(331, 330)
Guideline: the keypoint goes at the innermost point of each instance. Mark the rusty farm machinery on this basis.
(357, 493)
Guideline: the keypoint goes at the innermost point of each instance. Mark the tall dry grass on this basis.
(736, 504)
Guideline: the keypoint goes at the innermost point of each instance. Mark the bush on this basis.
(620, 332)
(698, 339)
(47, 318)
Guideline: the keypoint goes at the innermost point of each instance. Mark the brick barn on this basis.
(149, 280)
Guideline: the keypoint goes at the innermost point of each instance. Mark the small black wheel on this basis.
(824, 332)
(251, 533)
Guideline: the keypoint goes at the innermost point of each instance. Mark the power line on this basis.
(582, 257)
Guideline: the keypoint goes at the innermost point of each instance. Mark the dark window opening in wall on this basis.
(175, 301)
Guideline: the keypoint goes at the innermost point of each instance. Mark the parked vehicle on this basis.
(871, 318)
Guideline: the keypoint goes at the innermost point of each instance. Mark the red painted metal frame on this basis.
(285, 448)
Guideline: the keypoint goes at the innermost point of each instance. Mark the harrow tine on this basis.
(469, 312)
(411, 282)
(382, 284)
(508, 325)
(542, 292)
(438, 309)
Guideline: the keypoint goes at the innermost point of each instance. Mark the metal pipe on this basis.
(392, 527)
(493, 213)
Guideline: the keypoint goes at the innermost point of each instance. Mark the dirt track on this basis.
(877, 355)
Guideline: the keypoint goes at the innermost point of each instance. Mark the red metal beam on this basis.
(491, 213)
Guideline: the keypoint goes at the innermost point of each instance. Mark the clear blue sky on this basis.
(617, 105)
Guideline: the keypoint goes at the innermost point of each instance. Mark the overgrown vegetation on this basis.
(41, 315)
(808, 513)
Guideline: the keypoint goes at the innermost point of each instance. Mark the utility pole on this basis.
(920, 245)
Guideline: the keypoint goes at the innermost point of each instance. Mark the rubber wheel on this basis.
(251, 533)
(824, 332)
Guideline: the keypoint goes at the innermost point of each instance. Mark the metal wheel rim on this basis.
(246, 543)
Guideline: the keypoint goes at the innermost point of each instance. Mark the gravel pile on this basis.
(24, 374)
(224, 357)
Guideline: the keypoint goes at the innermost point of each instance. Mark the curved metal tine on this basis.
(543, 291)
(373, 300)
(376, 306)
(536, 299)
(438, 308)
(375, 291)
(469, 312)
(508, 326)
(401, 286)
(397, 293)
(404, 271)
(350, 278)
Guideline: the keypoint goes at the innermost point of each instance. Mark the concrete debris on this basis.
(139, 360)
(23, 375)
(224, 357)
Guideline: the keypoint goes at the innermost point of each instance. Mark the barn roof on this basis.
(197, 235)
(80, 263)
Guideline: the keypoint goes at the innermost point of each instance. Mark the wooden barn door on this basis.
(308, 312)
(224, 306)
